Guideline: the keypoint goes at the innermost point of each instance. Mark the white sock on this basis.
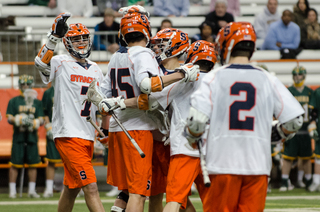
(49, 185)
(308, 176)
(12, 188)
(32, 187)
(285, 176)
(300, 175)
(316, 178)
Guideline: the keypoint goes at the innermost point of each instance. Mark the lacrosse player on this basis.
(134, 70)
(72, 134)
(25, 113)
(240, 100)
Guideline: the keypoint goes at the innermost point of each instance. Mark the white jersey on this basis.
(71, 84)
(240, 101)
(178, 95)
(127, 68)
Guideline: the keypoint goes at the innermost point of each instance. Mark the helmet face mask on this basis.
(168, 43)
(77, 41)
(25, 82)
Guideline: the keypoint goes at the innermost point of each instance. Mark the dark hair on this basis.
(134, 37)
(206, 23)
(205, 65)
(243, 48)
(315, 11)
(307, 6)
(166, 20)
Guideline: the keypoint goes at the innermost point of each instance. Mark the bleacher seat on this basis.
(7, 82)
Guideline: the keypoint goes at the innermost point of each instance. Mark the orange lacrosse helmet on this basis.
(235, 35)
(78, 33)
(177, 42)
(201, 50)
(135, 22)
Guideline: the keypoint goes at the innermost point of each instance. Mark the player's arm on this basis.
(58, 30)
(187, 72)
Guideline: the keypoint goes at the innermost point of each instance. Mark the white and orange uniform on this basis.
(240, 101)
(126, 169)
(69, 123)
(184, 166)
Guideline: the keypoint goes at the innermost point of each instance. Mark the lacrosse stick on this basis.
(89, 119)
(206, 178)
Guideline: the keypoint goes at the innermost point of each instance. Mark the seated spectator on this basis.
(171, 8)
(264, 19)
(79, 8)
(219, 17)
(196, 2)
(137, 2)
(310, 34)
(300, 12)
(165, 23)
(233, 7)
(114, 4)
(49, 3)
(205, 33)
(282, 34)
(107, 42)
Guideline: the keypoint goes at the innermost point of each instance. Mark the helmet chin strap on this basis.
(299, 84)
(229, 51)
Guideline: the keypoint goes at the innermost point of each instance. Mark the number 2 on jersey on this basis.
(234, 122)
(116, 78)
(87, 105)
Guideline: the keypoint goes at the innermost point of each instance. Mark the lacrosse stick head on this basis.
(94, 94)
(29, 96)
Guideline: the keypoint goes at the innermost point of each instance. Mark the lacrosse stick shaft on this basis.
(203, 165)
(21, 181)
(128, 135)
(89, 119)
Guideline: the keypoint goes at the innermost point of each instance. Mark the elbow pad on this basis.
(153, 84)
(294, 124)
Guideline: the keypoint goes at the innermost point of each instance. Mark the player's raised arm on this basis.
(58, 30)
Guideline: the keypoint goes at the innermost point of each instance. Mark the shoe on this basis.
(47, 194)
(194, 189)
(269, 188)
(113, 192)
(33, 195)
(290, 186)
(81, 193)
(301, 184)
(314, 187)
(12, 196)
(283, 188)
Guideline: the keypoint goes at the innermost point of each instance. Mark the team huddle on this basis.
(171, 111)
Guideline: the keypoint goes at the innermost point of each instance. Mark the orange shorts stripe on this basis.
(241, 193)
(126, 169)
(160, 167)
(183, 170)
(76, 155)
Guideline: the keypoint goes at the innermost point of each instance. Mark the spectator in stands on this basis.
(219, 17)
(282, 34)
(205, 33)
(165, 23)
(114, 4)
(107, 42)
(233, 6)
(310, 34)
(49, 3)
(196, 2)
(300, 12)
(171, 8)
(79, 8)
(25, 113)
(264, 19)
(137, 2)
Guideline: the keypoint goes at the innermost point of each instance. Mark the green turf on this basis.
(81, 207)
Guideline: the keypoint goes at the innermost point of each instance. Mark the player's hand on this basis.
(110, 104)
(103, 140)
(48, 127)
(59, 26)
(277, 134)
(191, 72)
(133, 9)
(192, 140)
(312, 129)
